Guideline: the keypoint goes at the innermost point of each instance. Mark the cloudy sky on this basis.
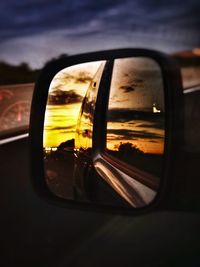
(61, 119)
(35, 31)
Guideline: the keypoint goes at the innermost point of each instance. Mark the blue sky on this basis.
(35, 31)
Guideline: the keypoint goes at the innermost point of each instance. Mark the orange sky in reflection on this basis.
(61, 120)
(147, 145)
(68, 114)
(136, 85)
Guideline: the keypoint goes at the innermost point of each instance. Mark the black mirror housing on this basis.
(173, 102)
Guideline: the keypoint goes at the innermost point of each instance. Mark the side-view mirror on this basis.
(105, 129)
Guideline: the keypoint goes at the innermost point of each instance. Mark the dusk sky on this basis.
(35, 31)
(61, 119)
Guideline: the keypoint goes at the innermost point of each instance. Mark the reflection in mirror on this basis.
(135, 132)
(66, 93)
(136, 125)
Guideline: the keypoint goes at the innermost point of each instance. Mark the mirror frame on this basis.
(173, 93)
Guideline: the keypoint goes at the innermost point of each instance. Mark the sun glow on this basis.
(66, 93)
(147, 145)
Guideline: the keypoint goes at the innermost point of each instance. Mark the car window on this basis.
(136, 114)
(68, 122)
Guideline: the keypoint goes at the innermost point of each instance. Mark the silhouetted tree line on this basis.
(187, 61)
(67, 144)
(11, 74)
(22, 73)
(126, 149)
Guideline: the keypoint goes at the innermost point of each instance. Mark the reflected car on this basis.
(83, 139)
(137, 168)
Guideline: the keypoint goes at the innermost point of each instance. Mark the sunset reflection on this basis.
(136, 126)
(66, 93)
(135, 131)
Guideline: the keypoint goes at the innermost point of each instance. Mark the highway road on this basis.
(35, 233)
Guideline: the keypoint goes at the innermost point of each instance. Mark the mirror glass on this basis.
(136, 126)
(134, 135)
(66, 93)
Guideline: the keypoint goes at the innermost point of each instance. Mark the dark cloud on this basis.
(79, 77)
(120, 137)
(61, 128)
(158, 125)
(19, 18)
(127, 88)
(132, 134)
(40, 30)
(60, 97)
(32, 17)
(139, 81)
(82, 77)
(127, 115)
(153, 141)
(133, 83)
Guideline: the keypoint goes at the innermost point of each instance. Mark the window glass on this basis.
(135, 119)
